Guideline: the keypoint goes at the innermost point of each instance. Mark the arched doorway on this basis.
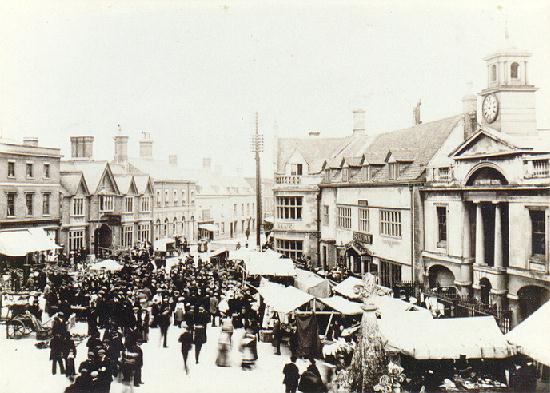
(530, 298)
(103, 239)
(441, 276)
(485, 290)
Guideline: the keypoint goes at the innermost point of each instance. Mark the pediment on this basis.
(484, 144)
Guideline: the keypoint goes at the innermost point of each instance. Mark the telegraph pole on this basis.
(257, 146)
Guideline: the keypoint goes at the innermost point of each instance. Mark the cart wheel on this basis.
(16, 329)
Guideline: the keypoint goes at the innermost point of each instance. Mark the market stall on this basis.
(426, 338)
(259, 264)
(531, 335)
(106, 265)
(347, 288)
(342, 305)
(311, 283)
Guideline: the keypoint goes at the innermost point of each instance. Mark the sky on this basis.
(193, 74)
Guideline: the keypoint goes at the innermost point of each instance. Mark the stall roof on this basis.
(532, 336)
(282, 299)
(219, 251)
(312, 283)
(108, 264)
(343, 305)
(242, 254)
(21, 242)
(474, 337)
(389, 306)
(346, 288)
(259, 264)
(209, 227)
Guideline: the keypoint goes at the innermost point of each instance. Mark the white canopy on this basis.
(311, 283)
(346, 287)
(24, 241)
(390, 307)
(259, 264)
(209, 227)
(160, 244)
(343, 305)
(242, 254)
(422, 338)
(282, 299)
(532, 336)
(108, 264)
(219, 251)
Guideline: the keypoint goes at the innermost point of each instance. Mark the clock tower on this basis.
(508, 102)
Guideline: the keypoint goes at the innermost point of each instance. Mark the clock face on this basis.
(490, 108)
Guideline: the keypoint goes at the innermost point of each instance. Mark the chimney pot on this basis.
(359, 122)
(121, 147)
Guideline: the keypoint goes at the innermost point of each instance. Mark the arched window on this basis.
(494, 72)
(514, 70)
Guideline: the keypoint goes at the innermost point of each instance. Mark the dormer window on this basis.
(366, 173)
(394, 170)
(443, 173)
(296, 169)
(494, 72)
(345, 174)
(514, 70)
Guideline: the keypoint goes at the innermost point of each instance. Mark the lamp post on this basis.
(257, 146)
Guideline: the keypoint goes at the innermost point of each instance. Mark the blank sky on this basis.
(194, 73)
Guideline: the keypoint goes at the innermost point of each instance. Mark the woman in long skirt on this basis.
(224, 346)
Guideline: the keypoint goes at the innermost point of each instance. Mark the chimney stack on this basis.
(121, 147)
(314, 133)
(30, 141)
(469, 108)
(206, 163)
(359, 122)
(173, 159)
(82, 147)
(146, 146)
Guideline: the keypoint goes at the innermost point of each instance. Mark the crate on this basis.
(266, 336)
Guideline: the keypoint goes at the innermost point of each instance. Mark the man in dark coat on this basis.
(164, 324)
(186, 340)
(292, 376)
(56, 353)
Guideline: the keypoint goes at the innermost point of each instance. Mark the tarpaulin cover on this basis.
(307, 333)
(532, 336)
(311, 283)
(242, 254)
(21, 242)
(343, 305)
(346, 287)
(391, 307)
(259, 264)
(108, 264)
(219, 251)
(422, 338)
(280, 298)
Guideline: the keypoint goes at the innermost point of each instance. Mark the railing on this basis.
(293, 179)
(456, 305)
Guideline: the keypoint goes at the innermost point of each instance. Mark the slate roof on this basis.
(123, 183)
(315, 150)
(70, 182)
(141, 183)
(92, 171)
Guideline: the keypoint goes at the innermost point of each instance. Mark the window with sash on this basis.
(390, 223)
(289, 207)
(344, 217)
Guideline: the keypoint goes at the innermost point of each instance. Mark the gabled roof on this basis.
(315, 150)
(143, 182)
(71, 181)
(354, 162)
(126, 184)
(93, 172)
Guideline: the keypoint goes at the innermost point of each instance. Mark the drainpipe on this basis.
(319, 227)
(413, 215)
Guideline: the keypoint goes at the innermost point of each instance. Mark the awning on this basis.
(108, 264)
(532, 336)
(219, 251)
(347, 287)
(421, 338)
(209, 227)
(21, 242)
(259, 264)
(343, 305)
(311, 283)
(282, 299)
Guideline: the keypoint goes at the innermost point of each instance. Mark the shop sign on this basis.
(365, 238)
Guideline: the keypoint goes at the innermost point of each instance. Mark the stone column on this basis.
(466, 267)
(498, 237)
(480, 236)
